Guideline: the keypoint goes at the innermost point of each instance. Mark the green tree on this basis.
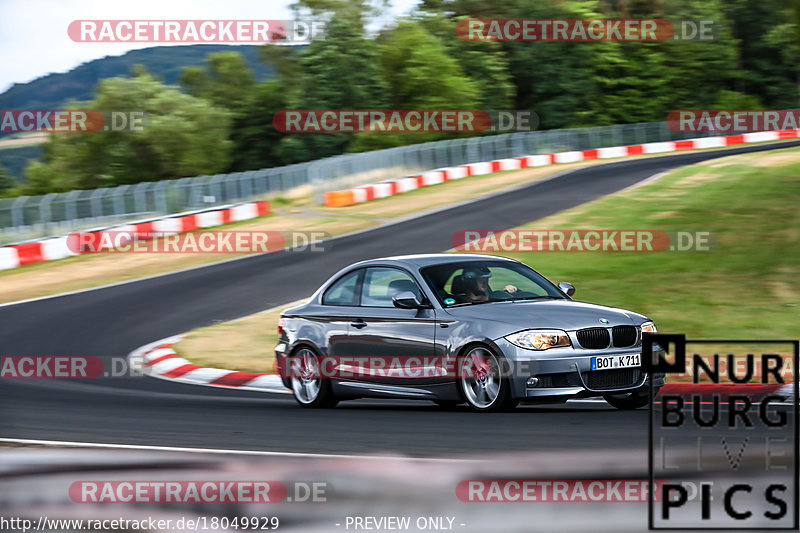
(737, 100)
(553, 79)
(6, 181)
(339, 72)
(584, 84)
(484, 63)
(180, 136)
(646, 81)
(767, 34)
(227, 80)
(359, 10)
(285, 60)
(420, 75)
(255, 140)
(419, 72)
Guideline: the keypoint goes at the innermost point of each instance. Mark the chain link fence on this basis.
(32, 217)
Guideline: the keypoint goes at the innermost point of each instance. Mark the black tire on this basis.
(633, 400)
(313, 392)
(471, 387)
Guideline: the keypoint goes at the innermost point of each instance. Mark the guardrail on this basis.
(32, 217)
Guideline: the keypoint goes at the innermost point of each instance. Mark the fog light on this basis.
(532, 382)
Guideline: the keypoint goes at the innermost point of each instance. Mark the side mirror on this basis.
(406, 300)
(566, 288)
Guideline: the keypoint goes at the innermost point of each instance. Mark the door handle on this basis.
(358, 324)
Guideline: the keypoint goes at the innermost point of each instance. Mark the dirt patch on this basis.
(662, 214)
(694, 180)
(761, 159)
(776, 160)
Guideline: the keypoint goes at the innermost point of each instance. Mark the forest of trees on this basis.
(219, 118)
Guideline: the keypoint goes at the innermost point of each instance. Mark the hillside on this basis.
(166, 62)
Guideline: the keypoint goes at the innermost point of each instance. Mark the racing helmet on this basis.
(480, 272)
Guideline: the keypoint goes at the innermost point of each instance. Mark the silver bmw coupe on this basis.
(487, 331)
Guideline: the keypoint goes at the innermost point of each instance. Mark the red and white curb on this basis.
(366, 193)
(159, 360)
(53, 248)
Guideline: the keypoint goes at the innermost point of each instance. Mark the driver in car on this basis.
(476, 284)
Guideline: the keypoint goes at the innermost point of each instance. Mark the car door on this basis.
(400, 339)
(339, 308)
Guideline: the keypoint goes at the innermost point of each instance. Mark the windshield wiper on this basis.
(476, 303)
(547, 297)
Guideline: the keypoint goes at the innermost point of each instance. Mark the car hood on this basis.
(560, 314)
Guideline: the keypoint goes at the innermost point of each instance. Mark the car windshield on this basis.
(476, 282)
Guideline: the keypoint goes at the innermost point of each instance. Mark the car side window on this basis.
(382, 283)
(343, 290)
(501, 277)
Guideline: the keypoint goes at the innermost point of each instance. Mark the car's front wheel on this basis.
(482, 380)
(309, 387)
(631, 400)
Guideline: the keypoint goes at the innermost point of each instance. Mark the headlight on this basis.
(649, 327)
(539, 339)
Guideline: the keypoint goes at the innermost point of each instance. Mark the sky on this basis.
(34, 41)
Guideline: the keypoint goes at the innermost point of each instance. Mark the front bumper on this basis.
(565, 373)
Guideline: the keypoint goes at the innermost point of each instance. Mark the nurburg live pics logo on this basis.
(735, 447)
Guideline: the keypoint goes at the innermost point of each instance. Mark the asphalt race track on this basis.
(113, 321)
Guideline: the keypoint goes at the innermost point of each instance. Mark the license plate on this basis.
(608, 362)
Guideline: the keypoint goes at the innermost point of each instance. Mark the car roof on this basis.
(423, 260)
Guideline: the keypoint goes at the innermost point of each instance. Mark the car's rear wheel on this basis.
(309, 387)
(631, 400)
(482, 380)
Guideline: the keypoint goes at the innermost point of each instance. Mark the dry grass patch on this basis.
(246, 344)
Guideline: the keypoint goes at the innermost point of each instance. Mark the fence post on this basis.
(215, 186)
(140, 198)
(119, 199)
(96, 202)
(70, 207)
(160, 196)
(17, 214)
(45, 214)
